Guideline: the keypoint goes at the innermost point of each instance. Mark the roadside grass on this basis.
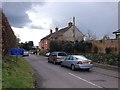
(17, 74)
(0, 73)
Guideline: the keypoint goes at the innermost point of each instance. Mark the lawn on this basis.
(17, 74)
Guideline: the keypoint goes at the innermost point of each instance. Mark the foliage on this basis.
(103, 58)
(110, 61)
(9, 39)
(107, 50)
(95, 49)
(70, 47)
(17, 75)
(42, 52)
(27, 45)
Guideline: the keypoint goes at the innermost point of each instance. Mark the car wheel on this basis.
(48, 61)
(73, 67)
(88, 69)
(54, 62)
(61, 64)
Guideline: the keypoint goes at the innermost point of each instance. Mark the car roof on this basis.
(58, 52)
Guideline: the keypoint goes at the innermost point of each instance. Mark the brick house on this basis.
(69, 33)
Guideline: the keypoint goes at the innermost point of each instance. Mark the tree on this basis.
(53, 46)
(106, 37)
(88, 46)
(90, 36)
(27, 45)
(30, 43)
(68, 47)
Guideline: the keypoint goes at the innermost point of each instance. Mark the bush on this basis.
(111, 61)
(42, 52)
(107, 50)
(95, 49)
(103, 58)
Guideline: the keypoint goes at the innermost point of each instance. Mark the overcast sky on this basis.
(32, 21)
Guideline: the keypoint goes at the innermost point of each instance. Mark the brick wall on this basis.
(102, 44)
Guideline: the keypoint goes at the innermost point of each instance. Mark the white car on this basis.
(47, 54)
(26, 53)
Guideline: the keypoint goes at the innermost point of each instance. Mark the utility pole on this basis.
(74, 32)
(74, 29)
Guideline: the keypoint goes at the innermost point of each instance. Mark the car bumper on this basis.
(84, 66)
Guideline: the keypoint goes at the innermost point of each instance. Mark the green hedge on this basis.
(110, 59)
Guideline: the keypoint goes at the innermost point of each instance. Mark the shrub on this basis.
(108, 50)
(111, 61)
(42, 52)
(95, 49)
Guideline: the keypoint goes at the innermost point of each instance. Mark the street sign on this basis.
(16, 52)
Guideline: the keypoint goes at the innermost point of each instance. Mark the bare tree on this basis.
(106, 37)
(90, 36)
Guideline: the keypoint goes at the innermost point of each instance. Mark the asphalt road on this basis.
(49, 75)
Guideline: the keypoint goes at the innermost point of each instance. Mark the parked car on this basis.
(26, 53)
(56, 57)
(47, 54)
(77, 62)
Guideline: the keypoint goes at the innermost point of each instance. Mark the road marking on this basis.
(85, 80)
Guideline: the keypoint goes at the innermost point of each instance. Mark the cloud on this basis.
(27, 34)
(100, 18)
(16, 12)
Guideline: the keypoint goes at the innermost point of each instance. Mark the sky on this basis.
(31, 21)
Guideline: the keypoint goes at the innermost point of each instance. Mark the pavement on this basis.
(106, 66)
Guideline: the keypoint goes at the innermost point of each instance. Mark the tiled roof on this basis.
(55, 34)
(60, 32)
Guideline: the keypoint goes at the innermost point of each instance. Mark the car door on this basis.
(51, 57)
(70, 61)
(65, 61)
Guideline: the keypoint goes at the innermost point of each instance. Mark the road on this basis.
(49, 75)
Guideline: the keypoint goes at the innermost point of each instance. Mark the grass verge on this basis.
(17, 74)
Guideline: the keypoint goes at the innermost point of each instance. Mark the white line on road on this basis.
(85, 80)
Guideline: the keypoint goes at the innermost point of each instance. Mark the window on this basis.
(67, 58)
(71, 58)
(62, 54)
(54, 54)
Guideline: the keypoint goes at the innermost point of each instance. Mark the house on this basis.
(69, 33)
(117, 33)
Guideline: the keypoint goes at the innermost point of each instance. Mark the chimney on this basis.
(56, 29)
(51, 31)
(70, 24)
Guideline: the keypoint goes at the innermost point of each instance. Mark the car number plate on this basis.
(86, 62)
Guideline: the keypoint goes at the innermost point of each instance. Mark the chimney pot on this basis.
(56, 29)
(70, 24)
(51, 31)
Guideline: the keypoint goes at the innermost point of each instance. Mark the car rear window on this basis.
(81, 57)
(62, 54)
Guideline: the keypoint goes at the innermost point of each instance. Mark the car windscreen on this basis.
(81, 57)
(62, 54)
